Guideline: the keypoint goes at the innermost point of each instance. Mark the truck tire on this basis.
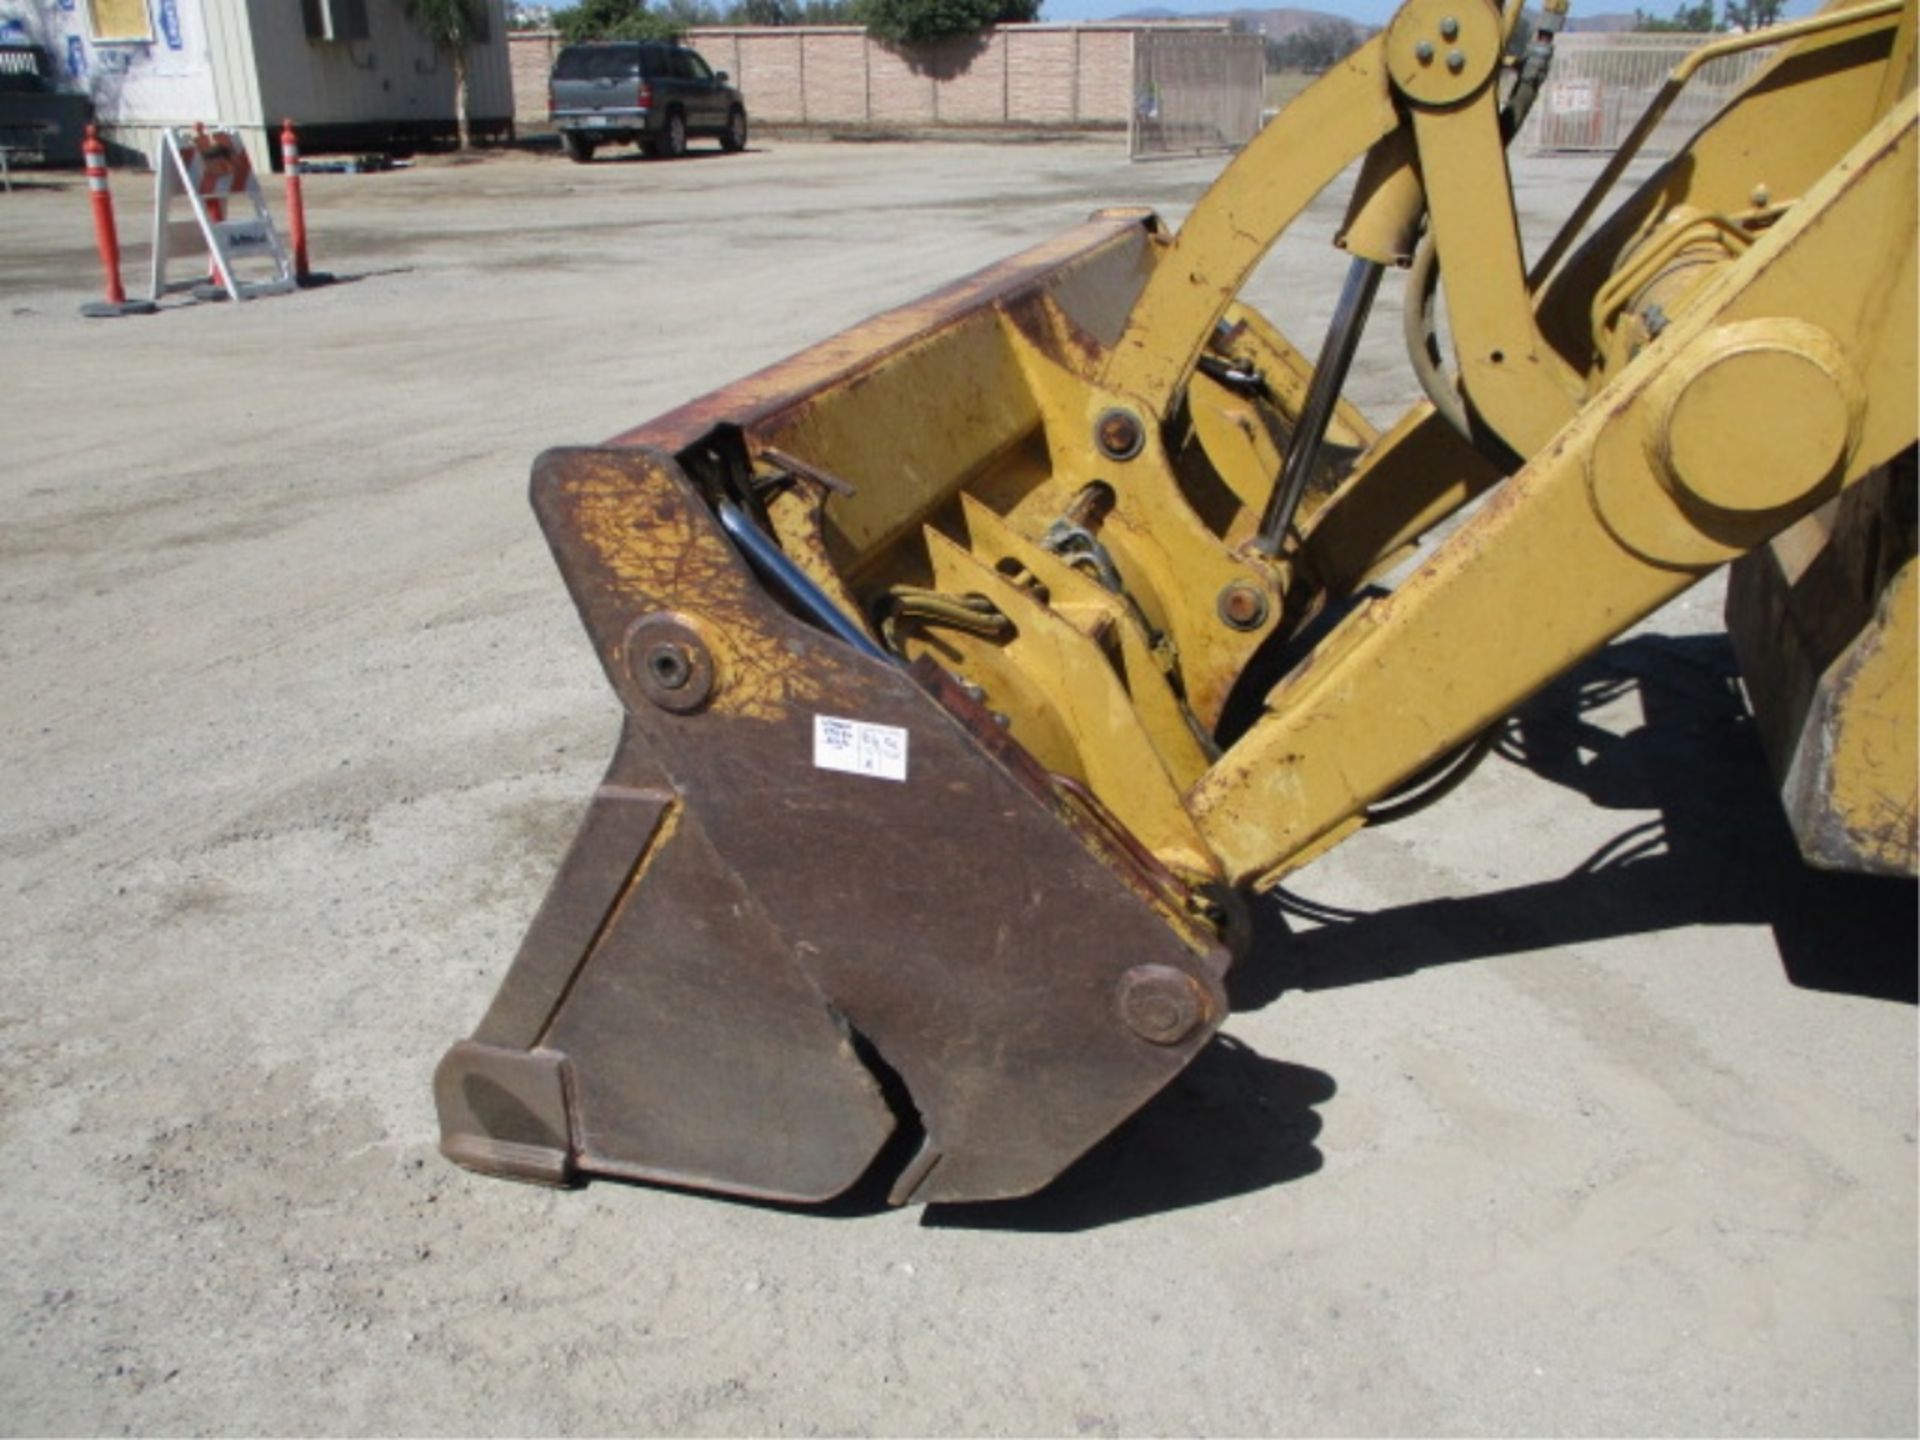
(578, 147)
(733, 139)
(672, 143)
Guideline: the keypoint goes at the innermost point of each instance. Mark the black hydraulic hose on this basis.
(1436, 782)
(793, 583)
(1336, 357)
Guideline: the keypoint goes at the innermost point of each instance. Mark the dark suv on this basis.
(36, 119)
(621, 90)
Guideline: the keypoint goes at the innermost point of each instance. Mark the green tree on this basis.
(685, 15)
(453, 27)
(761, 12)
(915, 22)
(1695, 18)
(614, 20)
(1314, 47)
(1754, 14)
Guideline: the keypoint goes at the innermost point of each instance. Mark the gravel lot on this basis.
(1572, 1105)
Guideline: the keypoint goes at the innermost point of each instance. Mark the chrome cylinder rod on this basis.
(1336, 357)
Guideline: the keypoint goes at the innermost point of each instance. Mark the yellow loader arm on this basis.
(978, 661)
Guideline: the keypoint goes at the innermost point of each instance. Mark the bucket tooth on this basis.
(505, 1111)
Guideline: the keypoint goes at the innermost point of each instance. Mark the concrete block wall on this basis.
(1105, 68)
(973, 87)
(837, 75)
(530, 55)
(833, 74)
(1043, 87)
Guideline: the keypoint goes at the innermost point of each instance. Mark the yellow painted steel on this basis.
(1257, 197)
(1623, 511)
(1515, 381)
(1083, 454)
(1863, 768)
(1823, 620)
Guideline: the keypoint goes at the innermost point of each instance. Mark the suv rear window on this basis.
(598, 62)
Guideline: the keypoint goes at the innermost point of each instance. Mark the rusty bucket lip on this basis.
(765, 394)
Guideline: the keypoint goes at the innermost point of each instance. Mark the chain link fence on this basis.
(1194, 93)
(1601, 84)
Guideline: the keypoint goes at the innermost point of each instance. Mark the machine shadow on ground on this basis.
(1231, 1123)
(1719, 853)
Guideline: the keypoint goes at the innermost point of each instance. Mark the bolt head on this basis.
(1242, 606)
(1119, 434)
(669, 665)
(1449, 28)
(1162, 1005)
(1423, 52)
(1456, 62)
(669, 662)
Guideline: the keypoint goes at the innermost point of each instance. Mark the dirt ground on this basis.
(1573, 1105)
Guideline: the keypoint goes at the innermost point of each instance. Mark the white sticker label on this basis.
(1572, 97)
(857, 748)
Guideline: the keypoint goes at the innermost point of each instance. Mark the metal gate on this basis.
(1601, 84)
(1194, 92)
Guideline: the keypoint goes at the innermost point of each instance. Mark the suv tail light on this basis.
(646, 96)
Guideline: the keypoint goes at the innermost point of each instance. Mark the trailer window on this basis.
(122, 20)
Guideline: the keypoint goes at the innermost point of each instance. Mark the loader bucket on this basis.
(977, 662)
(822, 892)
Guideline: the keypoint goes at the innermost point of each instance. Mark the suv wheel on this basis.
(733, 139)
(673, 140)
(579, 148)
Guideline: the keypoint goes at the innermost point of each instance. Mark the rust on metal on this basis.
(1823, 622)
(773, 455)
(635, 539)
(1119, 434)
(1243, 606)
(670, 663)
(754, 402)
(1160, 1004)
(710, 995)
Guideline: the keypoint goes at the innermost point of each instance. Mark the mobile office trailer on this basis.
(353, 74)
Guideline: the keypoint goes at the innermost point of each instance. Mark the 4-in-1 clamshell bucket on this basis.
(978, 662)
(811, 861)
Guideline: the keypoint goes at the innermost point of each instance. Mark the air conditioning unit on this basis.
(339, 20)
